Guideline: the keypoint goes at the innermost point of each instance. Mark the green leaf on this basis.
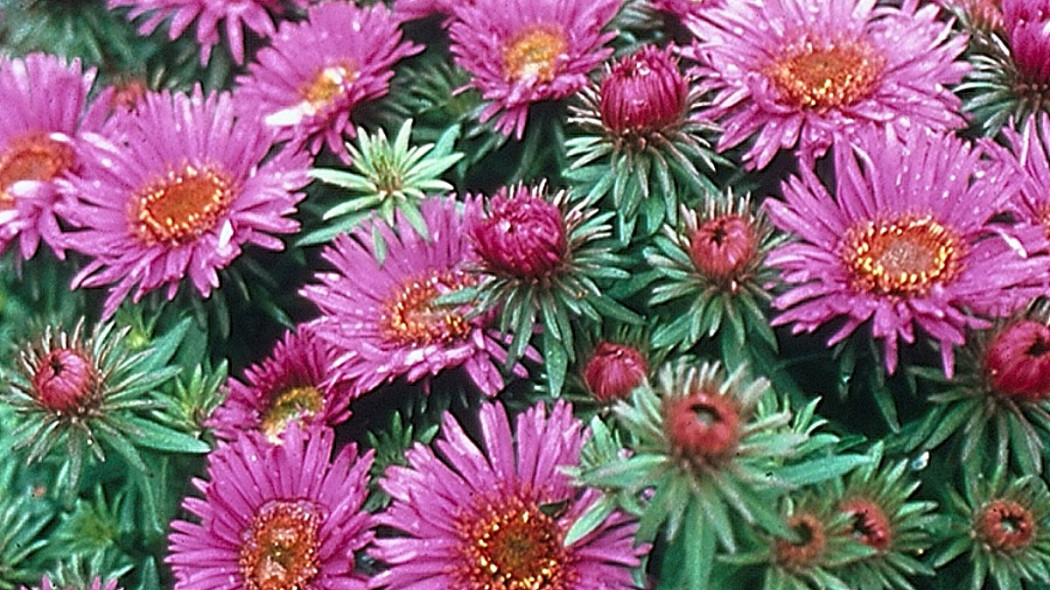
(162, 438)
(591, 519)
(556, 360)
(818, 470)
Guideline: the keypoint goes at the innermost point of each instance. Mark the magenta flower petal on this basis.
(906, 242)
(295, 384)
(799, 73)
(476, 518)
(286, 516)
(308, 82)
(524, 51)
(176, 193)
(382, 317)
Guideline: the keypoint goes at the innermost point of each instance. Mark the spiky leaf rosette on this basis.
(1010, 79)
(710, 447)
(541, 254)
(712, 277)
(642, 146)
(385, 177)
(997, 408)
(21, 537)
(1002, 525)
(876, 498)
(812, 555)
(92, 395)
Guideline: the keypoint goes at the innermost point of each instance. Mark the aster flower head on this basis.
(386, 177)
(1027, 24)
(46, 109)
(88, 393)
(179, 195)
(712, 272)
(1029, 146)
(905, 243)
(1002, 525)
(499, 513)
(640, 121)
(307, 89)
(296, 383)
(275, 516)
(540, 252)
(383, 318)
(684, 9)
(802, 73)
(981, 16)
(45, 584)
(526, 51)
(233, 15)
(999, 403)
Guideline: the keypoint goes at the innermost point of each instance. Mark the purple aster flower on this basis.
(295, 384)
(496, 516)
(525, 51)
(45, 109)
(1030, 148)
(45, 584)
(905, 242)
(382, 315)
(178, 193)
(803, 72)
(234, 14)
(315, 73)
(1027, 24)
(275, 516)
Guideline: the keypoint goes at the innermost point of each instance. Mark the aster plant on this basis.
(97, 584)
(643, 144)
(540, 254)
(498, 514)
(1002, 524)
(799, 74)
(386, 177)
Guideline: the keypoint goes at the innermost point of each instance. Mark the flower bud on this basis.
(643, 92)
(65, 382)
(614, 371)
(722, 247)
(523, 236)
(1017, 363)
(704, 427)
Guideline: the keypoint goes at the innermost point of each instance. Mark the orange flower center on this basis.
(1005, 525)
(280, 546)
(182, 205)
(513, 546)
(826, 76)
(533, 53)
(32, 157)
(810, 544)
(294, 403)
(327, 84)
(411, 317)
(904, 257)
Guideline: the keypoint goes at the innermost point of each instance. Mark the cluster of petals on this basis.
(798, 74)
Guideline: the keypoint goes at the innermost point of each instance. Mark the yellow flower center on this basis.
(279, 549)
(32, 157)
(327, 84)
(512, 546)
(411, 317)
(293, 403)
(903, 257)
(182, 205)
(533, 53)
(826, 76)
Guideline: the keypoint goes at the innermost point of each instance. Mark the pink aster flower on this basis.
(295, 384)
(234, 14)
(45, 109)
(308, 82)
(45, 584)
(1027, 24)
(382, 315)
(496, 516)
(802, 72)
(905, 242)
(524, 51)
(275, 516)
(178, 193)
